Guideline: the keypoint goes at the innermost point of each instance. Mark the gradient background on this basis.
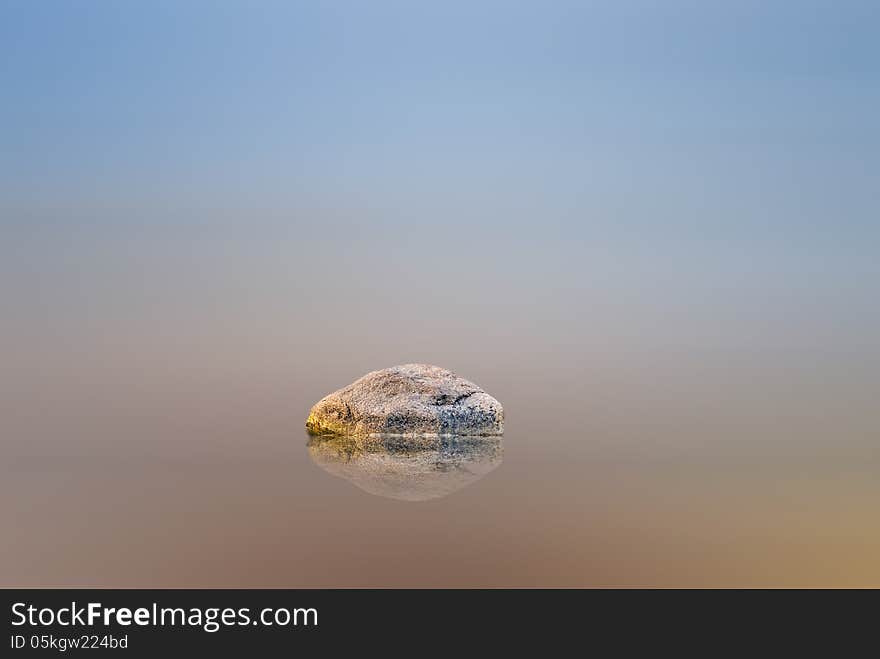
(649, 229)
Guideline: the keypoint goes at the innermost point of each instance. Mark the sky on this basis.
(190, 191)
(743, 107)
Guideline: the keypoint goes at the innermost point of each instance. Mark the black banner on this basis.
(398, 622)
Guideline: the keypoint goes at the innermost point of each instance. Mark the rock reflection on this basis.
(405, 468)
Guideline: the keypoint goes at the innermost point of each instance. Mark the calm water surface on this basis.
(609, 506)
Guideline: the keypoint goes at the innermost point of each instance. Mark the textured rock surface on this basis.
(408, 469)
(412, 399)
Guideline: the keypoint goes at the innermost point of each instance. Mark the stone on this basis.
(407, 468)
(408, 400)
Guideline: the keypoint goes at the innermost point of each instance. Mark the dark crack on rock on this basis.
(444, 399)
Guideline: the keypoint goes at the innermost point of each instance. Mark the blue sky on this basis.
(226, 99)
(706, 138)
